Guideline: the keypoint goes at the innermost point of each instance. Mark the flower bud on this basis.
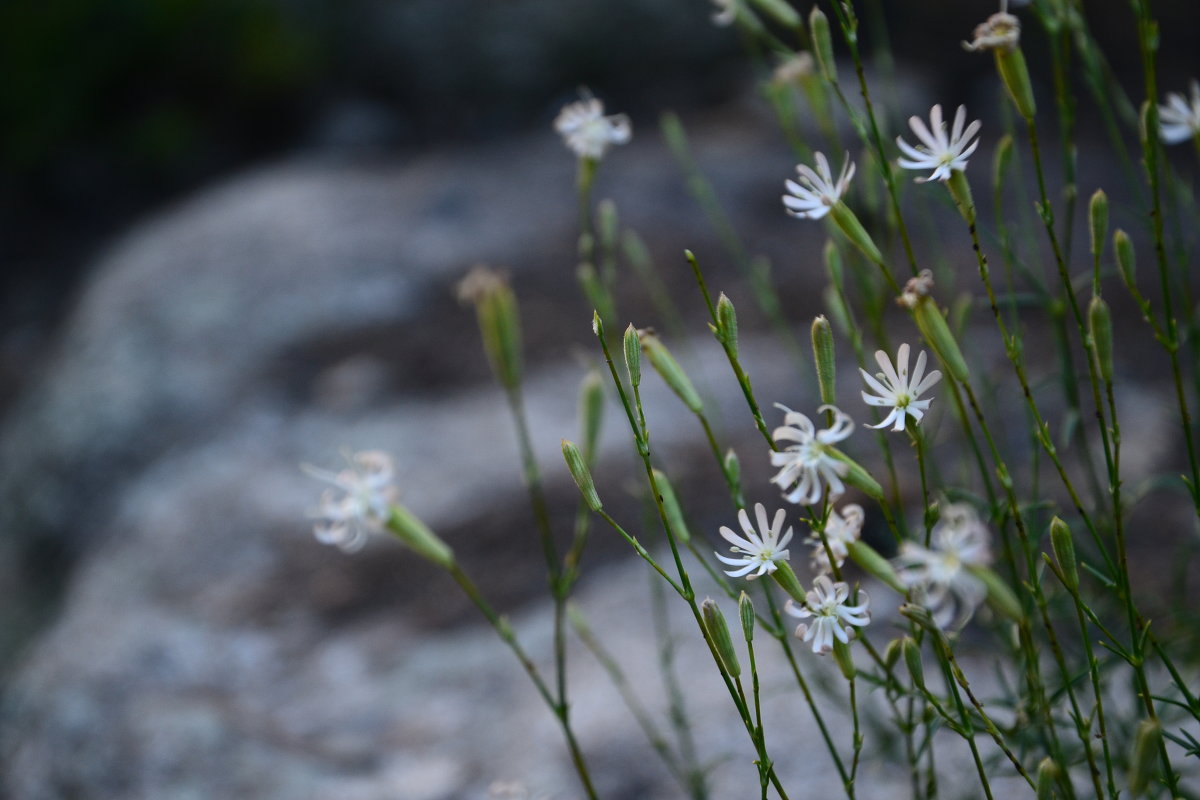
(727, 330)
(591, 409)
(499, 321)
(633, 356)
(582, 475)
(1126, 262)
(733, 468)
(671, 507)
(666, 366)
(1048, 774)
(871, 562)
(1015, 75)
(891, 653)
(932, 325)
(912, 660)
(920, 615)
(822, 344)
(960, 191)
(845, 661)
(818, 28)
(1098, 220)
(787, 580)
(855, 232)
(856, 476)
(718, 632)
(597, 324)
(1063, 545)
(746, 612)
(1145, 756)
(999, 595)
(1100, 329)
(419, 537)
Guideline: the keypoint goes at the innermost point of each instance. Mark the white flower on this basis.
(762, 549)
(826, 605)
(840, 531)
(726, 12)
(1002, 31)
(816, 192)
(1179, 120)
(941, 153)
(363, 505)
(895, 388)
(938, 577)
(587, 131)
(808, 463)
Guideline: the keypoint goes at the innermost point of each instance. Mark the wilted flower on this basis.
(840, 530)
(816, 193)
(938, 577)
(917, 288)
(363, 504)
(826, 606)
(941, 153)
(1002, 31)
(587, 131)
(808, 464)
(1179, 119)
(761, 549)
(895, 388)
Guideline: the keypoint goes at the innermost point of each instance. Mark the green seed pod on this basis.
(1015, 75)
(746, 612)
(1098, 221)
(891, 653)
(1100, 329)
(1063, 545)
(845, 661)
(780, 11)
(1126, 262)
(856, 476)
(718, 632)
(912, 660)
(499, 321)
(1000, 597)
(871, 562)
(822, 344)
(581, 474)
(818, 28)
(666, 366)
(607, 223)
(419, 537)
(1001, 160)
(855, 232)
(1145, 756)
(671, 507)
(591, 410)
(727, 330)
(787, 580)
(937, 333)
(1048, 774)
(960, 190)
(633, 356)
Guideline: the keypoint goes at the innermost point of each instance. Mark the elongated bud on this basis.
(932, 324)
(671, 507)
(1048, 774)
(607, 223)
(855, 232)
(871, 562)
(856, 476)
(1126, 262)
(499, 321)
(733, 468)
(1015, 75)
(912, 660)
(1001, 160)
(419, 537)
(818, 28)
(845, 661)
(920, 615)
(597, 324)
(780, 11)
(633, 356)
(787, 580)
(1145, 756)
(666, 366)
(581, 474)
(1063, 545)
(1098, 220)
(891, 653)
(822, 344)
(960, 190)
(999, 595)
(591, 409)
(1100, 328)
(718, 632)
(746, 612)
(727, 330)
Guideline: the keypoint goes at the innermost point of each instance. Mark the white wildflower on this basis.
(941, 153)
(840, 531)
(938, 577)
(808, 464)
(1179, 119)
(363, 504)
(761, 549)
(894, 387)
(817, 192)
(587, 131)
(826, 606)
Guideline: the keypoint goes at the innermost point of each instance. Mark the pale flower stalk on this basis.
(841, 530)
(938, 576)
(587, 131)
(807, 467)
(827, 606)
(760, 549)
(360, 503)
(895, 388)
(816, 192)
(938, 151)
(1179, 119)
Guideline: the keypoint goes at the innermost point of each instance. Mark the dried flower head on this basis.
(359, 505)
(941, 153)
(827, 606)
(917, 288)
(841, 529)
(808, 466)
(1002, 31)
(587, 131)
(896, 388)
(817, 192)
(761, 549)
(1179, 119)
(938, 576)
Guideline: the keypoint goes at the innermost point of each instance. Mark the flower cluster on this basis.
(939, 577)
(359, 505)
(840, 531)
